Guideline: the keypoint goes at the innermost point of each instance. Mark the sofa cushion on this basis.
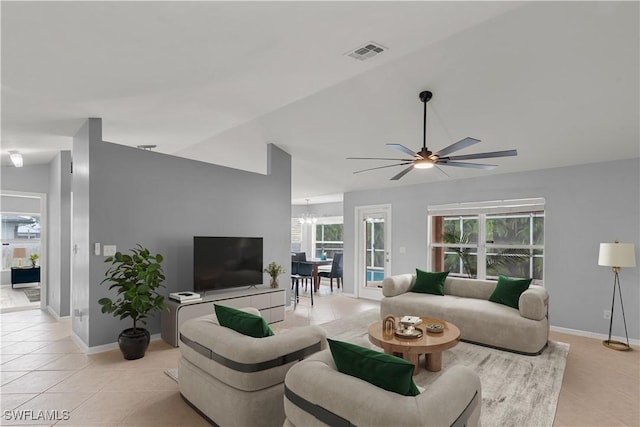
(382, 370)
(242, 322)
(508, 291)
(429, 282)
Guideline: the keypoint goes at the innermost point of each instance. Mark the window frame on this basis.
(330, 220)
(481, 210)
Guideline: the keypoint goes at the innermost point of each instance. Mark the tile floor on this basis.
(15, 299)
(42, 369)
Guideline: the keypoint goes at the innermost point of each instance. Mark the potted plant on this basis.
(136, 278)
(274, 270)
(34, 257)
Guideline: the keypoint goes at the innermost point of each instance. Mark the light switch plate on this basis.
(96, 249)
(109, 250)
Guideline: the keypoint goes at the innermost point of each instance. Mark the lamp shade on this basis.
(19, 252)
(617, 255)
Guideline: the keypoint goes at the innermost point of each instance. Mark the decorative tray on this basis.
(415, 333)
(435, 328)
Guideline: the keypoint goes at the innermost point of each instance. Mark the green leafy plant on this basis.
(137, 278)
(274, 270)
(503, 258)
(34, 257)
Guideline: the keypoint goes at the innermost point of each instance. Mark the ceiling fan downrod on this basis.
(425, 96)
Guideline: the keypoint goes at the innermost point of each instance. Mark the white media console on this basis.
(270, 301)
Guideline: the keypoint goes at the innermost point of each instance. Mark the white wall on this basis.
(585, 205)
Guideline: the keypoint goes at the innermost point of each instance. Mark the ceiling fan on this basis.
(425, 159)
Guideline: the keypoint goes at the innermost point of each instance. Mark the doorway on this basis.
(373, 249)
(23, 284)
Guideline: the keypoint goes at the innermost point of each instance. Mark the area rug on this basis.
(517, 390)
(33, 295)
(172, 373)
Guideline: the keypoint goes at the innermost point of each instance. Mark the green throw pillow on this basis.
(382, 370)
(242, 322)
(429, 283)
(508, 291)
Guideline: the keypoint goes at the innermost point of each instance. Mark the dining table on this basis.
(316, 262)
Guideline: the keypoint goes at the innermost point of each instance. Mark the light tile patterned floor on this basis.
(42, 369)
(15, 299)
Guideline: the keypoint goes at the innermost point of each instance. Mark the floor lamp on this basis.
(617, 255)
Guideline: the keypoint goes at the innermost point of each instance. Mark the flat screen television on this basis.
(226, 262)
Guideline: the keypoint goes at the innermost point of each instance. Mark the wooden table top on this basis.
(428, 343)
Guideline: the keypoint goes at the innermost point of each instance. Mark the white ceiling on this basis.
(216, 81)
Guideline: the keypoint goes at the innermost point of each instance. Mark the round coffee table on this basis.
(430, 344)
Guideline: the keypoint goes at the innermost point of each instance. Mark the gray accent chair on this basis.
(317, 394)
(466, 304)
(236, 380)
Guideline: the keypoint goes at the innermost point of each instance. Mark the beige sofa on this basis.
(465, 304)
(236, 380)
(317, 394)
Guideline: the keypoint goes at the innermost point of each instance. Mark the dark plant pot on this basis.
(133, 345)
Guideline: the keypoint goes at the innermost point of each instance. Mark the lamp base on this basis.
(616, 345)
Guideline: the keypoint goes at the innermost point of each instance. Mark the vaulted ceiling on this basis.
(217, 81)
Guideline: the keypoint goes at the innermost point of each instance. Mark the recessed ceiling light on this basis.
(16, 159)
(147, 147)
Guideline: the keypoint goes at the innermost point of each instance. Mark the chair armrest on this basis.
(455, 398)
(248, 350)
(533, 303)
(457, 392)
(396, 285)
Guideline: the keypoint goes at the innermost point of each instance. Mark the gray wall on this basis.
(59, 260)
(31, 179)
(319, 210)
(585, 205)
(87, 136)
(160, 201)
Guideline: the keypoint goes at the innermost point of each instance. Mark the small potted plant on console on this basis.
(136, 278)
(274, 270)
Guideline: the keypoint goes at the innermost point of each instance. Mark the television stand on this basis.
(270, 301)
(252, 286)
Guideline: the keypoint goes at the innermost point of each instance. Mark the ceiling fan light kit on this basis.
(425, 159)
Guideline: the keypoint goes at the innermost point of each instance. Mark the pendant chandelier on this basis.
(306, 217)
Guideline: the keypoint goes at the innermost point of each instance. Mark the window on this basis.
(375, 251)
(296, 235)
(328, 239)
(488, 239)
(19, 230)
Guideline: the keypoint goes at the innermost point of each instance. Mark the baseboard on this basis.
(55, 315)
(594, 335)
(78, 341)
(102, 348)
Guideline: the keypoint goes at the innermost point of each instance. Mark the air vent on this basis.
(366, 51)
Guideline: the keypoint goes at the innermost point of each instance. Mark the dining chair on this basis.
(304, 272)
(335, 273)
(294, 271)
(300, 256)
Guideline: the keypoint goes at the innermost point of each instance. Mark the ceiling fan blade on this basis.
(382, 167)
(401, 174)
(467, 165)
(442, 172)
(506, 153)
(378, 158)
(404, 149)
(456, 146)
